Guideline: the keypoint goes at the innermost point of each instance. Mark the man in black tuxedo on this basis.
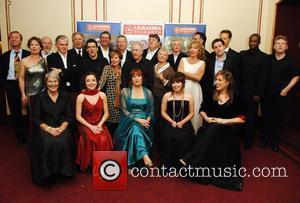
(122, 47)
(234, 56)
(218, 61)
(78, 46)
(153, 47)
(141, 63)
(176, 55)
(66, 65)
(254, 64)
(104, 48)
(93, 62)
(9, 70)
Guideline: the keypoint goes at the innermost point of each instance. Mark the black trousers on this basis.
(273, 109)
(15, 106)
(251, 108)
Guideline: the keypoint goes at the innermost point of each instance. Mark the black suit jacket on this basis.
(176, 64)
(154, 59)
(71, 74)
(4, 65)
(129, 57)
(207, 81)
(100, 54)
(74, 53)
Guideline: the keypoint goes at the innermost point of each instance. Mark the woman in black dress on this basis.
(177, 109)
(217, 148)
(51, 148)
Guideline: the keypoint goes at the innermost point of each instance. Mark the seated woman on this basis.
(134, 133)
(51, 148)
(91, 113)
(177, 109)
(217, 147)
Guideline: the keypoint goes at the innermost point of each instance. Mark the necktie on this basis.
(17, 61)
(79, 52)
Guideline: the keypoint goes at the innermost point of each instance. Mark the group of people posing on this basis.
(189, 106)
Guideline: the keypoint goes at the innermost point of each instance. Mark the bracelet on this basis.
(47, 128)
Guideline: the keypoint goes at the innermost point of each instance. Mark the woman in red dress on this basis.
(91, 113)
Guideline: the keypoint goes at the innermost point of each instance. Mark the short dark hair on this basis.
(217, 40)
(255, 35)
(155, 36)
(105, 32)
(77, 33)
(91, 41)
(64, 37)
(15, 32)
(227, 32)
(34, 38)
(202, 36)
(178, 77)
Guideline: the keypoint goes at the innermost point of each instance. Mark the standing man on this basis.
(176, 55)
(122, 47)
(47, 46)
(93, 62)
(9, 72)
(153, 47)
(141, 63)
(218, 61)
(226, 36)
(78, 46)
(254, 64)
(282, 77)
(66, 65)
(104, 48)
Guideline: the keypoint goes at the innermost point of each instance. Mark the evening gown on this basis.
(217, 145)
(176, 142)
(34, 78)
(89, 141)
(51, 155)
(130, 135)
(194, 88)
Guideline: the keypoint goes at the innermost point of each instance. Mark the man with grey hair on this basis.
(47, 46)
(64, 64)
(141, 63)
(177, 54)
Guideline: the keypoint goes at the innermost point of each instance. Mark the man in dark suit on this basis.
(9, 70)
(176, 55)
(104, 48)
(232, 55)
(66, 65)
(218, 61)
(78, 46)
(141, 63)
(254, 64)
(122, 47)
(153, 47)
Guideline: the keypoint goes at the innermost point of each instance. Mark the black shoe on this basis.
(247, 146)
(20, 143)
(262, 145)
(275, 148)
